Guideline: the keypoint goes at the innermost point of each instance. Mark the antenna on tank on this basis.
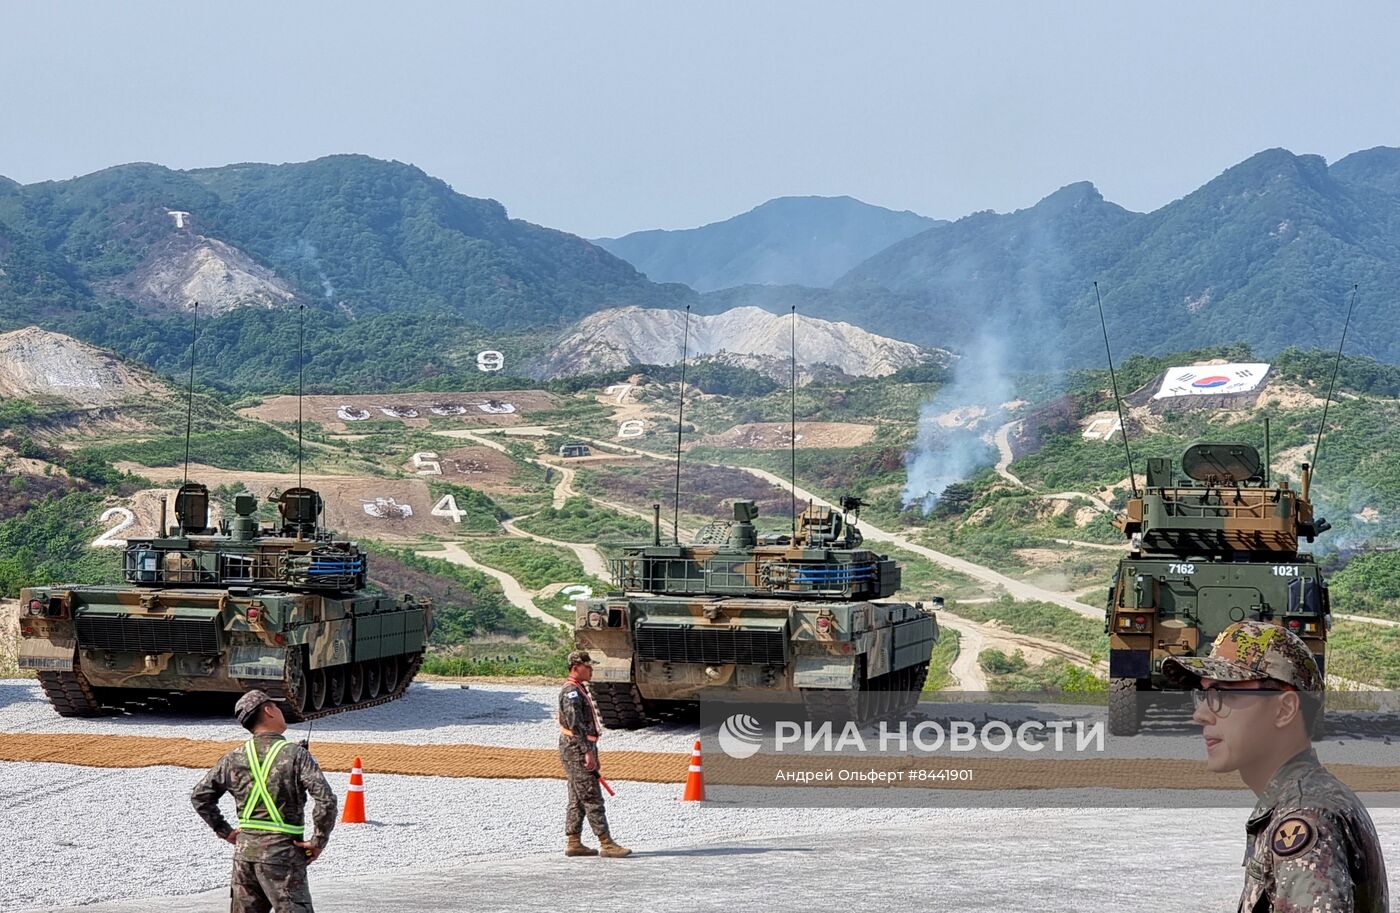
(680, 421)
(1332, 386)
(189, 399)
(1268, 453)
(1117, 400)
(792, 430)
(301, 380)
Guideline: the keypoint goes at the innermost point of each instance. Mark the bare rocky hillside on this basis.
(619, 337)
(36, 363)
(188, 267)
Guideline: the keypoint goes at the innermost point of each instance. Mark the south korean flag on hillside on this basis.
(1211, 380)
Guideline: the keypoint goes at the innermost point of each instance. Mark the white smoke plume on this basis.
(308, 252)
(955, 427)
(1020, 332)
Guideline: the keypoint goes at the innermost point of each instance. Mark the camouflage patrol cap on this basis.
(580, 658)
(249, 704)
(1250, 651)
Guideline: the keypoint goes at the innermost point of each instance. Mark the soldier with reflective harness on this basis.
(270, 779)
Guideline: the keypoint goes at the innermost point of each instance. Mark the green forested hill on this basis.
(390, 261)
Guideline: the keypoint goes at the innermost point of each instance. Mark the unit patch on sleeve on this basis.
(1293, 836)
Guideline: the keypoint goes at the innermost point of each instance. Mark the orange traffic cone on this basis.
(695, 779)
(354, 812)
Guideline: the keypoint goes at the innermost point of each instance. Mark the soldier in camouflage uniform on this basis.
(269, 777)
(1310, 843)
(578, 752)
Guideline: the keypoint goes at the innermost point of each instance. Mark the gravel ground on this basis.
(461, 844)
(74, 836)
(63, 819)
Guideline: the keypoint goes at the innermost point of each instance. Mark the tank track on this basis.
(620, 705)
(883, 697)
(70, 694)
(288, 692)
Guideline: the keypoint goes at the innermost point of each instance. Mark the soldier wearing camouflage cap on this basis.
(579, 731)
(1310, 843)
(270, 778)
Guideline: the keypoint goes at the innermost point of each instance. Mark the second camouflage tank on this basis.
(802, 617)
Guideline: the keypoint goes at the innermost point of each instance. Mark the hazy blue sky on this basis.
(607, 118)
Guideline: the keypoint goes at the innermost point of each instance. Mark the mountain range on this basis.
(1267, 253)
(404, 280)
(811, 241)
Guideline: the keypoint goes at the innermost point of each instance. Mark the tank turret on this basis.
(824, 561)
(295, 554)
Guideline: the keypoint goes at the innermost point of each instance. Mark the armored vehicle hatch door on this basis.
(1221, 606)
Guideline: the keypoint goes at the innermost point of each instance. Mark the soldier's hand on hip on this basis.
(313, 851)
(232, 837)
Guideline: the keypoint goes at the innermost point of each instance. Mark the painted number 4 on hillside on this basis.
(447, 507)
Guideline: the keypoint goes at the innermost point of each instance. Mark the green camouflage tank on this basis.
(281, 608)
(801, 616)
(1218, 547)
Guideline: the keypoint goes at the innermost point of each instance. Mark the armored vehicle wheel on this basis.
(336, 681)
(318, 689)
(355, 686)
(389, 675)
(371, 668)
(70, 693)
(1123, 715)
(619, 704)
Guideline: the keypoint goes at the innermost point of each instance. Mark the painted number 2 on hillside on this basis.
(127, 519)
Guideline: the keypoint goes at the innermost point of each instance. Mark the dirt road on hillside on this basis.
(517, 594)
